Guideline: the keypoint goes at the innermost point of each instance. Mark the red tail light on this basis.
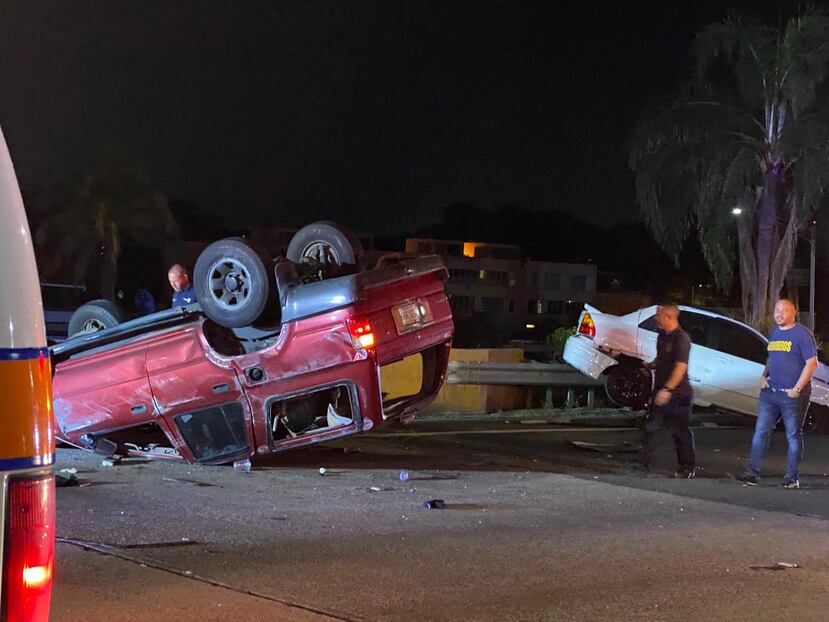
(587, 327)
(30, 549)
(361, 334)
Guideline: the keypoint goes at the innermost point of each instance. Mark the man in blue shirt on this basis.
(183, 292)
(785, 392)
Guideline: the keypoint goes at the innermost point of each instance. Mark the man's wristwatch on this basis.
(667, 389)
(796, 389)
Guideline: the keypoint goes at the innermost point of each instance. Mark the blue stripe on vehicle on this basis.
(22, 354)
(13, 464)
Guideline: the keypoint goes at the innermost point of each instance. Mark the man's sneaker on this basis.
(686, 472)
(791, 484)
(747, 477)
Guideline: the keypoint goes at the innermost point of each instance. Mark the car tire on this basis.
(94, 316)
(817, 420)
(628, 385)
(328, 244)
(233, 283)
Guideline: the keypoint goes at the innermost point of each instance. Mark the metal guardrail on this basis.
(547, 375)
(518, 374)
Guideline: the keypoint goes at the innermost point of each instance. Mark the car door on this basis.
(701, 358)
(201, 401)
(738, 364)
(103, 391)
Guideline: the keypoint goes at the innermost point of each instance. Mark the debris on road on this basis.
(374, 489)
(186, 482)
(777, 566)
(404, 476)
(242, 465)
(322, 470)
(434, 504)
(66, 481)
(111, 461)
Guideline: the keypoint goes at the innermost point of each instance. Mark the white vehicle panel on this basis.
(581, 353)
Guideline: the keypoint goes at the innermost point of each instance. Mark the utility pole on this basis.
(812, 275)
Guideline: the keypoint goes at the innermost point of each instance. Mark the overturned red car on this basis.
(276, 354)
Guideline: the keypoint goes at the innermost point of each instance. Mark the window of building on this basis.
(552, 280)
(535, 306)
(555, 307)
(578, 282)
(532, 279)
(491, 304)
(495, 275)
(458, 274)
(462, 303)
(511, 305)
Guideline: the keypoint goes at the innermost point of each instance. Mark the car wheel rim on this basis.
(628, 387)
(92, 326)
(321, 252)
(229, 284)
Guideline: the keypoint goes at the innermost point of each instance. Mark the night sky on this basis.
(376, 114)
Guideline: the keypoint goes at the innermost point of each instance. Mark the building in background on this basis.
(509, 295)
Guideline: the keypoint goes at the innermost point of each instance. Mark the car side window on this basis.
(649, 324)
(738, 341)
(698, 326)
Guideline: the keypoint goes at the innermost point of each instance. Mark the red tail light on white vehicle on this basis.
(29, 549)
(361, 333)
(587, 327)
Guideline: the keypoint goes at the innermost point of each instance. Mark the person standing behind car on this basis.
(183, 292)
(785, 392)
(673, 396)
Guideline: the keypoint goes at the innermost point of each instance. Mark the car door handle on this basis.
(139, 409)
(221, 388)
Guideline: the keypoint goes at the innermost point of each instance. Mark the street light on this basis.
(737, 211)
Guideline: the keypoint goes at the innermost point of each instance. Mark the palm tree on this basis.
(743, 155)
(90, 215)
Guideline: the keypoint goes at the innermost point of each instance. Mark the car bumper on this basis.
(582, 354)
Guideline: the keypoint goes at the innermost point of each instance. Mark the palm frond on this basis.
(692, 161)
(745, 46)
(804, 57)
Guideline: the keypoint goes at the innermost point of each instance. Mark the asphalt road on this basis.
(534, 529)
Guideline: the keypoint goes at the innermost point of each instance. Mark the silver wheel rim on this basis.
(91, 326)
(229, 283)
(321, 252)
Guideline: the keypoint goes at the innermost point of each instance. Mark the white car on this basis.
(726, 361)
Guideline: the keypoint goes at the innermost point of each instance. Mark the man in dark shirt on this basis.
(671, 402)
(183, 292)
(785, 392)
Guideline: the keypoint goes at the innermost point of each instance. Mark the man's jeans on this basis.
(773, 406)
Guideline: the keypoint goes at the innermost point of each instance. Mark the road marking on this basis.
(106, 549)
